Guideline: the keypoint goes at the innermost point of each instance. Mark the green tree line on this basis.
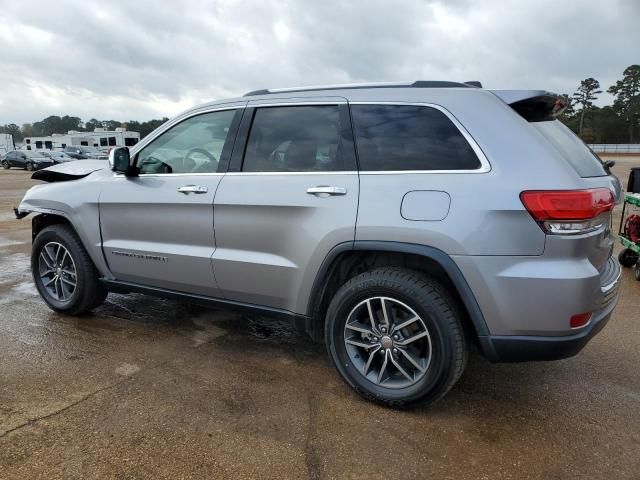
(616, 123)
(56, 124)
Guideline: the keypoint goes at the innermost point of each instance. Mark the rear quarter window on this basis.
(409, 137)
(572, 149)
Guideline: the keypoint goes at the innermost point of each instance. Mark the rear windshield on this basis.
(574, 150)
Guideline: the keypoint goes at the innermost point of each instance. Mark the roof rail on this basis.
(351, 86)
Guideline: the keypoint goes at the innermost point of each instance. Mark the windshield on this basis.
(35, 155)
(89, 150)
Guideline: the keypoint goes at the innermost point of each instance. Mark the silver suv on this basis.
(402, 223)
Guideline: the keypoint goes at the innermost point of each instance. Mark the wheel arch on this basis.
(351, 258)
(46, 218)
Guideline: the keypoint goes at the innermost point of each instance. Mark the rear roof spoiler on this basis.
(533, 105)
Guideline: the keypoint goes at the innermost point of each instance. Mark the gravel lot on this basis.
(147, 388)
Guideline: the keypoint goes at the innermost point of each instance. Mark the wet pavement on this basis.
(148, 388)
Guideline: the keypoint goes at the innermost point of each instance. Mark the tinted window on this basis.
(407, 137)
(192, 146)
(297, 139)
(574, 150)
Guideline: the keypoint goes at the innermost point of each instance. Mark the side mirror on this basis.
(119, 160)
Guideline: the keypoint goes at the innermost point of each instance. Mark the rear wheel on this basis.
(636, 271)
(627, 258)
(29, 166)
(5, 165)
(63, 272)
(395, 336)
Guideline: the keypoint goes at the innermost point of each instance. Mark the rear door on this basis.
(290, 196)
(157, 228)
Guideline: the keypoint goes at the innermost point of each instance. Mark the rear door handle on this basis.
(186, 189)
(326, 190)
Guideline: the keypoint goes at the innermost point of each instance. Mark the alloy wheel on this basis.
(57, 271)
(388, 342)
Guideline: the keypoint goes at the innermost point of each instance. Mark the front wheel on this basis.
(395, 336)
(63, 272)
(636, 271)
(5, 165)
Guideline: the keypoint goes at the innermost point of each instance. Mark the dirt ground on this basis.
(147, 388)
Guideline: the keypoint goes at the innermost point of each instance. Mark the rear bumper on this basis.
(525, 348)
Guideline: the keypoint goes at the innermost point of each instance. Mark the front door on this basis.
(157, 228)
(290, 196)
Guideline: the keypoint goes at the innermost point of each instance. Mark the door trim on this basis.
(119, 286)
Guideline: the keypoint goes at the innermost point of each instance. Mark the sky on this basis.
(143, 59)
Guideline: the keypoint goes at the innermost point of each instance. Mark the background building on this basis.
(100, 137)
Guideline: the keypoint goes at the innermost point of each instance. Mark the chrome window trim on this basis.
(204, 174)
(340, 172)
(279, 103)
(485, 166)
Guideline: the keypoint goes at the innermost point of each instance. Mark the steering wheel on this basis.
(202, 151)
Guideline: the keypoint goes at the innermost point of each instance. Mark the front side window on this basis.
(192, 146)
(297, 139)
(409, 137)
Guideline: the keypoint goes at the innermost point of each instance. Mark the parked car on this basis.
(82, 153)
(58, 156)
(400, 223)
(29, 160)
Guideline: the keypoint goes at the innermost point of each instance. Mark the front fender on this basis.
(78, 203)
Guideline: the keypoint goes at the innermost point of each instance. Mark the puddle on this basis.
(141, 308)
(271, 329)
(6, 216)
(5, 242)
(14, 268)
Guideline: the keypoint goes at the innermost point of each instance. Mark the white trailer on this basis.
(99, 138)
(6, 143)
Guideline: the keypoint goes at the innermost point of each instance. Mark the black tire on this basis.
(636, 271)
(29, 166)
(88, 292)
(5, 165)
(627, 258)
(441, 315)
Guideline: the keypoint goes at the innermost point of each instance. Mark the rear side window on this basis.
(574, 150)
(409, 137)
(298, 139)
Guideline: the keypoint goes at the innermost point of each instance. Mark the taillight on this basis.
(569, 212)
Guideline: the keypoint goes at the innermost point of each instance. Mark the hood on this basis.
(66, 171)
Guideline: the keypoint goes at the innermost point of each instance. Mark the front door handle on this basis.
(322, 190)
(193, 189)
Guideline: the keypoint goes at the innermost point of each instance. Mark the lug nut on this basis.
(374, 339)
(384, 329)
(396, 337)
(395, 350)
